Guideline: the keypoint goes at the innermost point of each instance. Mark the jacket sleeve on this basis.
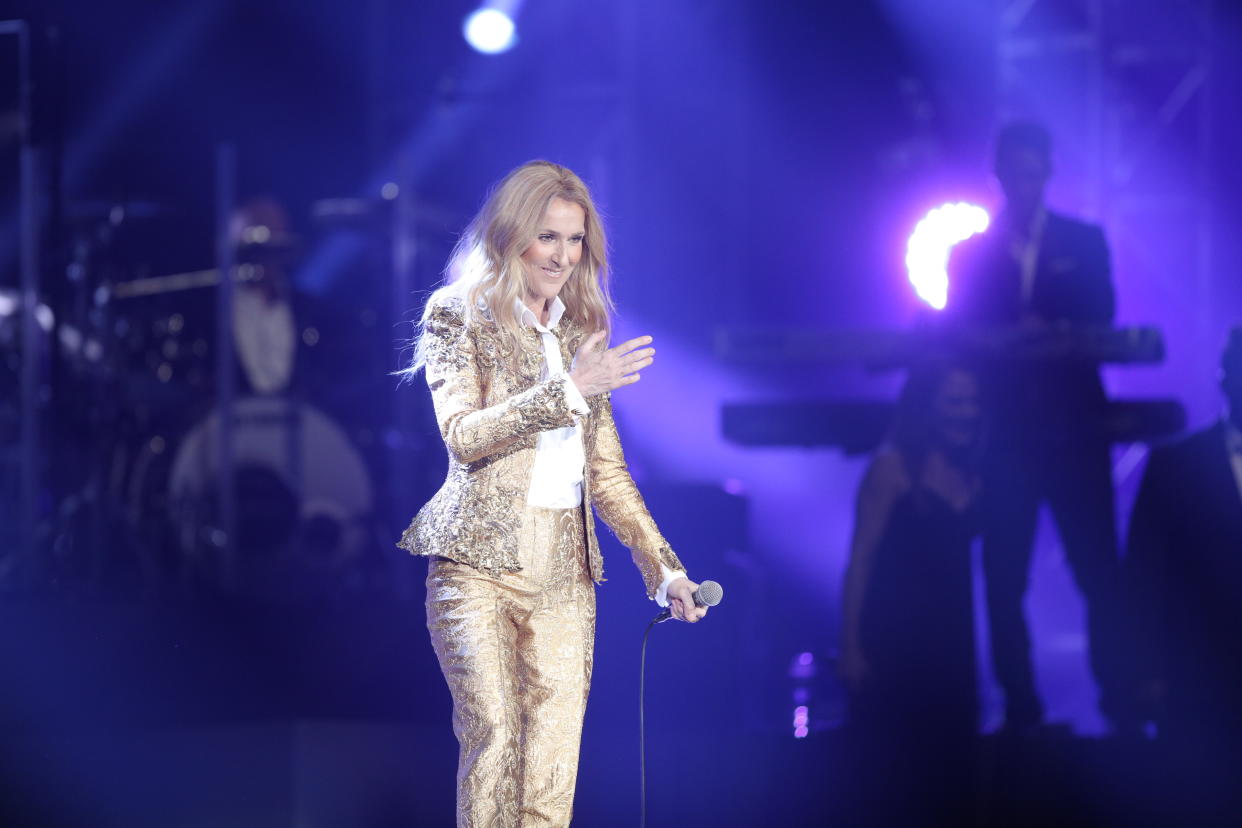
(619, 504)
(470, 431)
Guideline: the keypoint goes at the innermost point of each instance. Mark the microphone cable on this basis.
(642, 725)
(708, 594)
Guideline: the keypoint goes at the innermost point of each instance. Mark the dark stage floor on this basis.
(227, 714)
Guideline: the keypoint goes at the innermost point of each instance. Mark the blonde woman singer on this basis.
(514, 349)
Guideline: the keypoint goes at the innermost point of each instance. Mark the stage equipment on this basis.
(858, 426)
(304, 495)
(25, 158)
(888, 350)
(148, 358)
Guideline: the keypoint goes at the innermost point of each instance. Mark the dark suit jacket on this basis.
(1184, 571)
(1073, 284)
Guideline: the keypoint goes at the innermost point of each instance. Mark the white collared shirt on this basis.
(1025, 250)
(1233, 442)
(560, 458)
(556, 480)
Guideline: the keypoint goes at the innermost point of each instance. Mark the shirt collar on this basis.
(555, 311)
(1033, 230)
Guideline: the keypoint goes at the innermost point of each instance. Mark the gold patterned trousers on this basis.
(516, 651)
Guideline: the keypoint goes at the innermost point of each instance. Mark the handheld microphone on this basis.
(708, 594)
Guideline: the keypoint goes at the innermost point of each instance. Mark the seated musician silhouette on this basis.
(1033, 270)
(1184, 568)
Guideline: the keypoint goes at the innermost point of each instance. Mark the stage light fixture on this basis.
(927, 251)
(490, 30)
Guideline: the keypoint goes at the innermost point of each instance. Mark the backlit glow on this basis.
(490, 31)
(927, 252)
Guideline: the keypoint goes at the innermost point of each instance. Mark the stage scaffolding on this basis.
(24, 321)
(1126, 87)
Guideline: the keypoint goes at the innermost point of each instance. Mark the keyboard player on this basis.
(1037, 269)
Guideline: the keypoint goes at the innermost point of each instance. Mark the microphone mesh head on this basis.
(710, 593)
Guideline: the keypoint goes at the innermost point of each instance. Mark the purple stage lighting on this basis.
(490, 30)
(927, 252)
(801, 720)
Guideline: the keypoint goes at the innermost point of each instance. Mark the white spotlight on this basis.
(490, 31)
(927, 251)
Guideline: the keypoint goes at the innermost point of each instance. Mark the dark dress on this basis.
(914, 719)
(1184, 572)
(917, 624)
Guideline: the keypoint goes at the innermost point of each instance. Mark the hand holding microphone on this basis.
(688, 601)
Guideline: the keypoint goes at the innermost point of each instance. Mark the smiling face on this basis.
(956, 411)
(553, 253)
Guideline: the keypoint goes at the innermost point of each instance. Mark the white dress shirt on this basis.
(556, 480)
(560, 458)
(1025, 250)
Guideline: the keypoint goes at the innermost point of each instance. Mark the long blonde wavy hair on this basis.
(486, 268)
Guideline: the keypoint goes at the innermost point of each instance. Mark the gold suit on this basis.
(510, 605)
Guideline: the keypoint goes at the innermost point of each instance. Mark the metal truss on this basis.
(20, 460)
(1126, 87)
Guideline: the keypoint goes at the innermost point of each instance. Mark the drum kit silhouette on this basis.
(162, 446)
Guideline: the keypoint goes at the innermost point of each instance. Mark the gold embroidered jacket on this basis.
(490, 418)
